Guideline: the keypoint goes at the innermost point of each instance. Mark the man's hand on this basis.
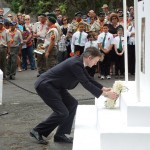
(106, 89)
(110, 94)
(46, 55)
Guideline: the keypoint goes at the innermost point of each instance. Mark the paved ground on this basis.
(25, 110)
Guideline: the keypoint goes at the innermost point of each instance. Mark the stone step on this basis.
(86, 136)
(136, 113)
(114, 132)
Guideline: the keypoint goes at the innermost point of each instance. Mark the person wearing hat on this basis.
(50, 42)
(105, 9)
(7, 23)
(4, 43)
(74, 25)
(39, 32)
(16, 42)
(90, 14)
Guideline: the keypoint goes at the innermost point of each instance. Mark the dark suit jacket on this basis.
(68, 74)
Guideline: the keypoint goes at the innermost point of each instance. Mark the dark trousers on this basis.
(64, 107)
(105, 65)
(3, 60)
(79, 48)
(12, 61)
(119, 65)
(131, 58)
(61, 56)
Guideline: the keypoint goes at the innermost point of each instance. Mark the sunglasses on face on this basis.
(65, 20)
(27, 19)
(9, 16)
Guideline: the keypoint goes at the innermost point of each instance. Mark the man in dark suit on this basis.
(52, 87)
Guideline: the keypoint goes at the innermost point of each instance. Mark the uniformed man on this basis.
(50, 43)
(101, 17)
(73, 27)
(39, 31)
(94, 25)
(4, 43)
(16, 42)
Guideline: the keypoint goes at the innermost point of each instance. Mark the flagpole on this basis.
(137, 52)
(125, 39)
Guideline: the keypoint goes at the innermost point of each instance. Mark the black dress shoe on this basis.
(63, 138)
(38, 137)
(38, 75)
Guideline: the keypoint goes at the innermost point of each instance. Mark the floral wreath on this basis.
(118, 87)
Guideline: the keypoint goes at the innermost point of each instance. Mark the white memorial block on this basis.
(1, 86)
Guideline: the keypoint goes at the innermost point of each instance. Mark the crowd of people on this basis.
(55, 38)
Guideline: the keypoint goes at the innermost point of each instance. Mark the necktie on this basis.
(79, 40)
(120, 44)
(91, 43)
(103, 44)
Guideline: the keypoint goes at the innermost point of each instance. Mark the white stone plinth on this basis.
(1, 86)
(135, 113)
(114, 132)
(86, 136)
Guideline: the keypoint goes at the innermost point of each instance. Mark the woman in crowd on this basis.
(27, 49)
(113, 27)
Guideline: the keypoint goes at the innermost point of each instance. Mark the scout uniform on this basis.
(16, 42)
(40, 29)
(4, 39)
(51, 36)
(73, 27)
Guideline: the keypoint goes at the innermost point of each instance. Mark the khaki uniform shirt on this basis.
(73, 27)
(4, 38)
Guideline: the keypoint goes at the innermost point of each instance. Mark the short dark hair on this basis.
(92, 51)
(106, 25)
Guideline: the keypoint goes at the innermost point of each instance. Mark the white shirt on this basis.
(131, 40)
(117, 41)
(91, 44)
(108, 41)
(75, 39)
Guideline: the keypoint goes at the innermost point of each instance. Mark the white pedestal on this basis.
(135, 113)
(1, 86)
(113, 129)
(86, 136)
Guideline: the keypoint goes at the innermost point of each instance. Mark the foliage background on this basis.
(68, 7)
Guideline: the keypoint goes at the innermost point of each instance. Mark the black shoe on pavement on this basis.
(63, 138)
(38, 75)
(38, 137)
